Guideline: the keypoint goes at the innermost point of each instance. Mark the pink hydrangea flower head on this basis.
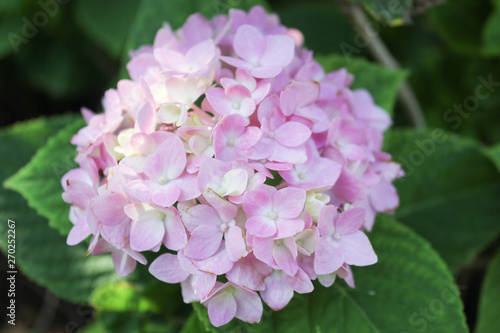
(234, 158)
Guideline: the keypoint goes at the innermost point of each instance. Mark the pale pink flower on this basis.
(341, 240)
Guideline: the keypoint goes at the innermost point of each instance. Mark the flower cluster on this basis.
(232, 148)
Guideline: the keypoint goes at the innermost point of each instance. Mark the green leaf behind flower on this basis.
(488, 320)
(106, 22)
(451, 191)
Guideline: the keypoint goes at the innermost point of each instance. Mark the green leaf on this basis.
(464, 37)
(10, 38)
(382, 83)
(450, 192)
(494, 154)
(491, 32)
(120, 296)
(392, 13)
(40, 180)
(41, 252)
(488, 320)
(59, 67)
(408, 290)
(152, 14)
(106, 22)
(193, 324)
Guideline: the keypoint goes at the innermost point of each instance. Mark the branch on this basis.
(380, 52)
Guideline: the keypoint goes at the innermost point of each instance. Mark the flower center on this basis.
(160, 216)
(273, 216)
(162, 180)
(336, 236)
(225, 226)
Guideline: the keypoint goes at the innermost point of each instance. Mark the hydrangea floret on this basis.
(231, 148)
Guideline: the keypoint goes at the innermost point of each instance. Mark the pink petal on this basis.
(80, 193)
(166, 268)
(260, 226)
(204, 242)
(349, 187)
(292, 134)
(289, 202)
(257, 202)
(221, 308)
(249, 43)
(218, 264)
(118, 235)
(357, 249)
(165, 196)
(249, 272)
(328, 257)
(200, 215)
(101, 246)
(248, 305)
(124, 264)
(169, 160)
(298, 94)
(138, 190)
(203, 284)
(219, 101)
(79, 232)
(175, 236)
(144, 235)
(384, 197)
(327, 280)
(300, 282)
(294, 155)
(146, 119)
(197, 28)
(201, 54)
(140, 211)
(285, 260)
(170, 58)
(211, 173)
(327, 216)
(235, 243)
(279, 51)
(263, 250)
(238, 63)
(109, 208)
(350, 221)
(249, 138)
(277, 293)
(188, 186)
(266, 71)
(288, 227)
(226, 210)
(233, 126)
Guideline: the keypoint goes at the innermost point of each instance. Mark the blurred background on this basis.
(59, 55)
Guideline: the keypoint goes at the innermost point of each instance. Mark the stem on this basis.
(47, 313)
(380, 52)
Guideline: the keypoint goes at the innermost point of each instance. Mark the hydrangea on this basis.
(231, 148)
